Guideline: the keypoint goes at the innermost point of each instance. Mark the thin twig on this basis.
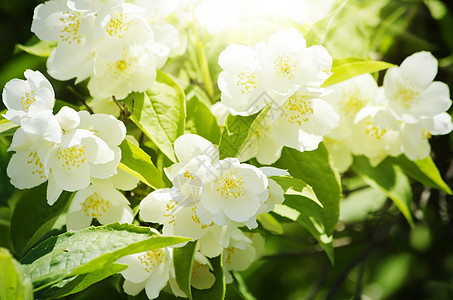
(80, 98)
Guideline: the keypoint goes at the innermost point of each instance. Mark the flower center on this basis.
(72, 157)
(230, 251)
(230, 186)
(169, 207)
(27, 100)
(70, 32)
(407, 93)
(373, 131)
(351, 104)
(95, 206)
(197, 220)
(151, 259)
(247, 82)
(298, 109)
(284, 67)
(426, 134)
(118, 26)
(38, 168)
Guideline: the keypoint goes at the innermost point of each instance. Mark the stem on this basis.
(203, 62)
(78, 96)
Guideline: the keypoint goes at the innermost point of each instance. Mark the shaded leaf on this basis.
(423, 170)
(183, 262)
(389, 179)
(33, 217)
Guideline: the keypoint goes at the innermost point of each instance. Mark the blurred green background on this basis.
(377, 255)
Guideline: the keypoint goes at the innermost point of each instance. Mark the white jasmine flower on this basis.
(100, 200)
(134, 71)
(94, 5)
(242, 251)
(262, 144)
(147, 270)
(348, 98)
(26, 169)
(415, 144)
(242, 90)
(202, 277)
(24, 98)
(303, 120)
(232, 192)
(276, 193)
(411, 92)
(286, 64)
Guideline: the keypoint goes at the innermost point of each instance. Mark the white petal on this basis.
(133, 289)
(13, 92)
(420, 68)
(97, 151)
(188, 146)
(157, 207)
(26, 170)
(53, 190)
(68, 118)
(106, 170)
(124, 181)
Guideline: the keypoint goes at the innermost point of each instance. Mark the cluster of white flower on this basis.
(118, 44)
(209, 200)
(286, 74)
(397, 118)
(73, 151)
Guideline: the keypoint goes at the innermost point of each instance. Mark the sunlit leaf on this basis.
(344, 69)
(160, 113)
(88, 250)
(136, 162)
(13, 282)
(41, 48)
(201, 121)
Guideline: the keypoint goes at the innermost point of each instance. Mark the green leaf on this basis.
(344, 69)
(423, 170)
(79, 283)
(160, 113)
(237, 131)
(41, 48)
(13, 282)
(389, 179)
(183, 262)
(241, 287)
(89, 250)
(317, 32)
(7, 128)
(136, 162)
(33, 217)
(201, 121)
(217, 291)
(314, 168)
(296, 186)
(270, 224)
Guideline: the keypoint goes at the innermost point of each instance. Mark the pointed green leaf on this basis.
(78, 283)
(201, 121)
(160, 113)
(237, 131)
(138, 163)
(183, 262)
(423, 170)
(317, 32)
(388, 178)
(217, 291)
(33, 217)
(347, 68)
(41, 48)
(13, 282)
(297, 187)
(7, 128)
(314, 168)
(269, 223)
(241, 287)
(89, 250)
